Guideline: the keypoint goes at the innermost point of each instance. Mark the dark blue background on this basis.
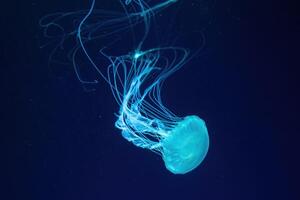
(59, 142)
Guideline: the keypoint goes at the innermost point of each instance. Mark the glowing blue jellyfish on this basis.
(136, 79)
(144, 121)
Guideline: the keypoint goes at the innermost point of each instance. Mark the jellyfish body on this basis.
(181, 142)
(136, 80)
(186, 145)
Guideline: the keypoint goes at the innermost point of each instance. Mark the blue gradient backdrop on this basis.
(59, 142)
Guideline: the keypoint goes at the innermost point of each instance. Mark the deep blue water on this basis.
(60, 141)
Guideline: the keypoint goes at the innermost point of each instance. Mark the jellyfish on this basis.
(136, 83)
(136, 79)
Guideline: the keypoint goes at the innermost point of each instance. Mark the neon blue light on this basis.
(137, 54)
(136, 80)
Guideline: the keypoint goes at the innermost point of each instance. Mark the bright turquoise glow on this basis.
(186, 146)
(135, 78)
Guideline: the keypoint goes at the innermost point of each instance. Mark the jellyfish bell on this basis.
(186, 145)
(182, 149)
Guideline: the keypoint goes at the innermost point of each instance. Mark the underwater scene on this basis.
(146, 99)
